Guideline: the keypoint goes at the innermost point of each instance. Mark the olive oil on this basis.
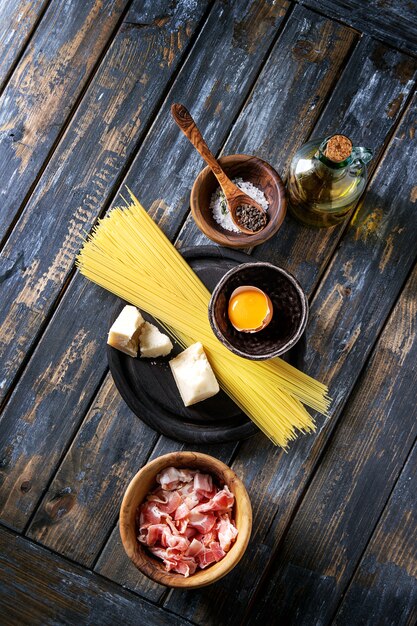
(327, 178)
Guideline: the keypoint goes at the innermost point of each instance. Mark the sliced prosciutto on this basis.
(187, 520)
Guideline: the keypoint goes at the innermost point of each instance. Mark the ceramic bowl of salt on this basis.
(256, 178)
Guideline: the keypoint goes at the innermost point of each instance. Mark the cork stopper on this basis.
(338, 148)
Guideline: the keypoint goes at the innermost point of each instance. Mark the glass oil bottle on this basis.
(326, 179)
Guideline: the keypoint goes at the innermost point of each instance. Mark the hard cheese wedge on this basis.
(124, 334)
(193, 374)
(152, 342)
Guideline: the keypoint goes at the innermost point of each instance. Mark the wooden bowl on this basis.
(249, 168)
(145, 481)
(290, 311)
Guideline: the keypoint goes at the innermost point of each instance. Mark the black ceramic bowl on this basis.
(290, 311)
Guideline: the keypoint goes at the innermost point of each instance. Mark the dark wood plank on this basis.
(39, 587)
(116, 568)
(367, 102)
(85, 494)
(82, 503)
(384, 585)
(390, 21)
(363, 105)
(53, 537)
(44, 88)
(347, 313)
(214, 93)
(101, 138)
(335, 521)
(18, 18)
(114, 563)
(69, 362)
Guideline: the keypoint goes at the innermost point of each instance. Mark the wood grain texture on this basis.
(18, 18)
(142, 484)
(354, 298)
(389, 20)
(116, 568)
(64, 346)
(83, 170)
(86, 320)
(248, 168)
(384, 586)
(243, 35)
(365, 104)
(234, 196)
(43, 89)
(50, 405)
(45, 402)
(39, 587)
(111, 124)
(83, 501)
(114, 563)
(335, 521)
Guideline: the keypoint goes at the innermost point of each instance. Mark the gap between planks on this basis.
(112, 194)
(371, 536)
(324, 103)
(385, 147)
(338, 425)
(65, 124)
(340, 21)
(105, 208)
(24, 47)
(72, 272)
(98, 575)
(218, 153)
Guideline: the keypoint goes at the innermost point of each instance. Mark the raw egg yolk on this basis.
(249, 309)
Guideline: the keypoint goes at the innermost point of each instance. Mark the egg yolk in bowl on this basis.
(250, 309)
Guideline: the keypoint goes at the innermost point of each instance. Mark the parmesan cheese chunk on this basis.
(193, 374)
(124, 334)
(152, 342)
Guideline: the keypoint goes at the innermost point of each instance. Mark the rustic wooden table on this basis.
(86, 91)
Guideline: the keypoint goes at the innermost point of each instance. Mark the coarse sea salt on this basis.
(218, 204)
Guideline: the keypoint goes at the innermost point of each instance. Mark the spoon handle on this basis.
(184, 120)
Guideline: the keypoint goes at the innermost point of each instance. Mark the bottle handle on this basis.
(361, 156)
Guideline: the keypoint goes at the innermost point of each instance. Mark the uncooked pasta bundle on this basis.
(129, 255)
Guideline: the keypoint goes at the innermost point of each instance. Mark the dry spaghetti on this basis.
(130, 256)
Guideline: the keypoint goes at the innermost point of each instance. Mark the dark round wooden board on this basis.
(149, 389)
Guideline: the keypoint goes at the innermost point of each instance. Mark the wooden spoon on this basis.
(235, 197)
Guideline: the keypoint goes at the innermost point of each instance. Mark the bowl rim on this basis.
(232, 239)
(272, 353)
(202, 577)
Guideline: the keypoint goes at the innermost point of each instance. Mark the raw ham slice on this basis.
(170, 477)
(186, 521)
(150, 514)
(202, 522)
(203, 485)
(209, 537)
(227, 532)
(218, 552)
(168, 503)
(186, 567)
(222, 501)
(210, 555)
(194, 548)
(182, 511)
